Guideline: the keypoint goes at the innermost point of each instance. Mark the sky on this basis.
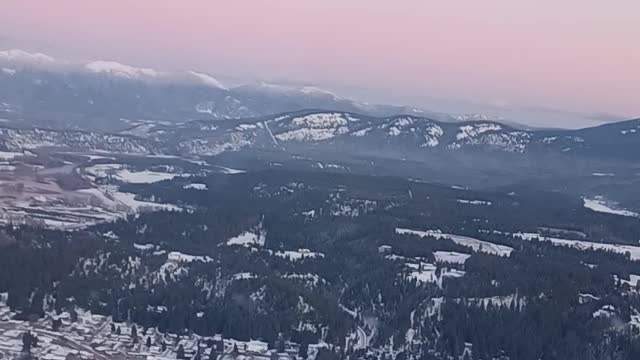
(564, 56)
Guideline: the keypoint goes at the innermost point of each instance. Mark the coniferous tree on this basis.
(303, 352)
(27, 341)
(213, 354)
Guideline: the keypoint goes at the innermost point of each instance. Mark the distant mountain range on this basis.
(105, 105)
(98, 95)
(321, 131)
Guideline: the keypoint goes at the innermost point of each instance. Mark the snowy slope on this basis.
(117, 69)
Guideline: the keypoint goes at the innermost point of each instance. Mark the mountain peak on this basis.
(121, 70)
(18, 55)
(316, 91)
(207, 80)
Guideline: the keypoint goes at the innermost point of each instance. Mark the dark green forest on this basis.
(326, 262)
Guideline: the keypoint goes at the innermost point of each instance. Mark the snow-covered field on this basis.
(599, 204)
(179, 257)
(634, 251)
(143, 177)
(196, 186)
(249, 238)
(32, 194)
(424, 272)
(121, 173)
(8, 155)
(475, 244)
(451, 257)
(109, 196)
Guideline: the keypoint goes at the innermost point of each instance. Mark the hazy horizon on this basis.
(520, 61)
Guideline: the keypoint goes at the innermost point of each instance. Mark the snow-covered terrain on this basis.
(474, 202)
(470, 131)
(634, 251)
(299, 254)
(195, 186)
(451, 257)
(8, 155)
(475, 244)
(110, 197)
(176, 256)
(117, 69)
(316, 127)
(230, 171)
(17, 55)
(599, 204)
(143, 177)
(249, 238)
(91, 337)
(121, 173)
(424, 272)
(316, 91)
(207, 80)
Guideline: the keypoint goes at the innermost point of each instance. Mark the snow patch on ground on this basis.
(143, 177)
(427, 273)
(244, 276)
(143, 247)
(196, 186)
(498, 301)
(9, 155)
(469, 131)
(474, 202)
(451, 257)
(179, 257)
(309, 278)
(633, 280)
(605, 311)
(299, 254)
(120, 173)
(113, 199)
(230, 171)
(249, 238)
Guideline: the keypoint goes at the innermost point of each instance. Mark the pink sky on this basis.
(579, 55)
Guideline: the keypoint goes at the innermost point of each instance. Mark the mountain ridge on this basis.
(402, 135)
(98, 88)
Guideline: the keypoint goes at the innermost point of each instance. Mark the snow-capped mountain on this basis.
(316, 91)
(113, 90)
(400, 135)
(207, 80)
(108, 95)
(117, 69)
(24, 57)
